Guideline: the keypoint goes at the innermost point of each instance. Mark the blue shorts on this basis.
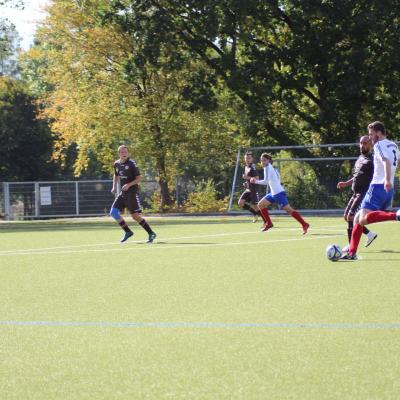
(377, 198)
(279, 198)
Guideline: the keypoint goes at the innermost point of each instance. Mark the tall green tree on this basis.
(26, 142)
(308, 71)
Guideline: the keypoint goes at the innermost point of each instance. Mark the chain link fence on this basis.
(35, 200)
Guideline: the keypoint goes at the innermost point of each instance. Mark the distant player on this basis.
(249, 198)
(127, 174)
(380, 192)
(277, 195)
(362, 175)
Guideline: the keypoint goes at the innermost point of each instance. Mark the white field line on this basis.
(41, 249)
(213, 325)
(153, 247)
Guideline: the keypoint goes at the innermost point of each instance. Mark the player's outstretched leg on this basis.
(296, 215)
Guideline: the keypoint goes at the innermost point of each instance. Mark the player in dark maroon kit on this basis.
(249, 198)
(359, 182)
(128, 175)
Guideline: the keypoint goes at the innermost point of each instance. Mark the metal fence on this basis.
(34, 200)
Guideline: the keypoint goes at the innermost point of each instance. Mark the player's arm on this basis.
(115, 183)
(136, 181)
(388, 174)
(344, 184)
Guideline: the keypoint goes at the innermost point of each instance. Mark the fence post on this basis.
(77, 197)
(37, 196)
(234, 180)
(7, 207)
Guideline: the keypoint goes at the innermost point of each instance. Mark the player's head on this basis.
(376, 131)
(265, 159)
(365, 144)
(123, 152)
(248, 158)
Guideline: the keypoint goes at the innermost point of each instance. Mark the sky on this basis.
(25, 20)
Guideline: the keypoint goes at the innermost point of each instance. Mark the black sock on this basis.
(366, 230)
(145, 226)
(251, 209)
(349, 229)
(124, 226)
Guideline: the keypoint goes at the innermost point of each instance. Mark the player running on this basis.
(362, 175)
(127, 174)
(277, 195)
(380, 192)
(249, 198)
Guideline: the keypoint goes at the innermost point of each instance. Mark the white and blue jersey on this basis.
(377, 198)
(272, 179)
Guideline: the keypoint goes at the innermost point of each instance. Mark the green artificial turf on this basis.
(213, 309)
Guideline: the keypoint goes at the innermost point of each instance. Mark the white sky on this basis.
(25, 20)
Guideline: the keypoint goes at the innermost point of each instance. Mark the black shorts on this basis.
(354, 204)
(249, 196)
(128, 200)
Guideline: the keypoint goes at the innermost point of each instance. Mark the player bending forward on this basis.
(277, 195)
(127, 173)
(380, 192)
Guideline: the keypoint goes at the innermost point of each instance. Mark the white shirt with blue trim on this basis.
(384, 150)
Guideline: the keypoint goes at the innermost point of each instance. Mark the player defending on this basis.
(277, 195)
(362, 175)
(127, 174)
(249, 198)
(380, 192)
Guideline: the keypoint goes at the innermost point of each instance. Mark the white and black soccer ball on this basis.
(333, 252)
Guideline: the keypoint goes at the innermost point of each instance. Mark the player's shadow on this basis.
(385, 251)
(158, 242)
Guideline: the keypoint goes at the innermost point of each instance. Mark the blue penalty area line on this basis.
(210, 325)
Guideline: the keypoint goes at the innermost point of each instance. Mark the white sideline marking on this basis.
(41, 249)
(154, 247)
(212, 325)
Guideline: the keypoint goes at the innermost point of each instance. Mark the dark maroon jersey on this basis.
(362, 173)
(251, 172)
(127, 172)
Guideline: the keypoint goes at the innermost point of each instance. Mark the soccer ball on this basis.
(333, 252)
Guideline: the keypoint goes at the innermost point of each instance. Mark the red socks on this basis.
(265, 216)
(296, 215)
(380, 216)
(355, 238)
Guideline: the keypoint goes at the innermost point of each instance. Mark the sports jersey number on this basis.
(394, 158)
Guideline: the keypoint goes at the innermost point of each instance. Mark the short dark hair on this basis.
(267, 156)
(248, 153)
(377, 126)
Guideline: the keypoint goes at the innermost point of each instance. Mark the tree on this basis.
(98, 94)
(9, 44)
(308, 72)
(26, 142)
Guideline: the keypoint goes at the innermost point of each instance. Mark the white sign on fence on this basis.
(45, 196)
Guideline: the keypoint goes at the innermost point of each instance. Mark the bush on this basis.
(205, 199)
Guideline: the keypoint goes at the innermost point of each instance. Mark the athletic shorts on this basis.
(354, 204)
(249, 196)
(377, 198)
(128, 200)
(279, 198)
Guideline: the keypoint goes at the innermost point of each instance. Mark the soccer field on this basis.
(213, 309)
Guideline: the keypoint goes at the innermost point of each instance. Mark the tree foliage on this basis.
(26, 143)
(308, 72)
(97, 92)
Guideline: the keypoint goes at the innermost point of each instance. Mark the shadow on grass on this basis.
(64, 224)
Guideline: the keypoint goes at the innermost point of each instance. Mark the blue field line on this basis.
(212, 325)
